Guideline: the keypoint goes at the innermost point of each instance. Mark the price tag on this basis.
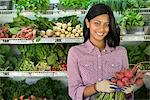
(6, 41)
(147, 38)
(58, 40)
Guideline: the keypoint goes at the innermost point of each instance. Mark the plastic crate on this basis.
(5, 4)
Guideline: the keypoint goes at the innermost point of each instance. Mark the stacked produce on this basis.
(63, 30)
(123, 79)
(23, 27)
(26, 32)
(4, 32)
(43, 89)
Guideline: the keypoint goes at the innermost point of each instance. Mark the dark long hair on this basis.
(113, 36)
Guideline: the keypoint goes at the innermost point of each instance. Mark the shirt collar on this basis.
(91, 47)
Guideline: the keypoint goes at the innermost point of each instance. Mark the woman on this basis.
(91, 63)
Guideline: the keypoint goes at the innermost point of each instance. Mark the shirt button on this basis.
(99, 79)
(112, 65)
(99, 67)
(99, 55)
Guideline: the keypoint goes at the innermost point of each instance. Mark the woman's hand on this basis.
(130, 89)
(105, 86)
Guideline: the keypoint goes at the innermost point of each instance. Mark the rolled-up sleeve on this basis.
(75, 83)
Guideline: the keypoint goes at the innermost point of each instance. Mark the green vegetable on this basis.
(24, 64)
(14, 30)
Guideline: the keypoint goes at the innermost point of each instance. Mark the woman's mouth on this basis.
(100, 34)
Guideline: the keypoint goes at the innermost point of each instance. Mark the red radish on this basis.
(125, 79)
(2, 35)
(128, 74)
(139, 75)
(119, 75)
(6, 35)
(120, 83)
(21, 97)
(34, 34)
(139, 82)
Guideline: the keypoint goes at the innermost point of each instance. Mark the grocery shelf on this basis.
(68, 40)
(33, 74)
(135, 38)
(42, 40)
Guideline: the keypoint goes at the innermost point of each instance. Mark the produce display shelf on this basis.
(68, 40)
(33, 74)
(42, 40)
(47, 12)
(135, 38)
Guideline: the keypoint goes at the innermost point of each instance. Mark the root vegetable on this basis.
(57, 33)
(55, 28)
(13, 36)
(45, 36)
(119, 75)
(42, 33)
(139, 75)
(120, 83)
(58, 24)
(128, 73)
(49, 32)
(68, 35)
(69, 24)
(81, 34)
(64, 26)
(62, 35)
(77, 26)
(79, 31)
(63, 31)
(72, 35)
(66, 32)
(77, 35)
(33, 34)
(69, 29)
(139, 82)
(74, 31)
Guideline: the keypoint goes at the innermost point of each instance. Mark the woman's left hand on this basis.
(130, 89)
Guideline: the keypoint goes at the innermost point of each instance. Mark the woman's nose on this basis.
(101, 29)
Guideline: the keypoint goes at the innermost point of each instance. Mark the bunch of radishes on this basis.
(63, 30)
(26, 32)
(4, 32)
(128, 77)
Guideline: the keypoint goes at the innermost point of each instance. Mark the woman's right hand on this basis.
(105, 86)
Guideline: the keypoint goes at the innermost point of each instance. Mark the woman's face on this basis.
(99, 27)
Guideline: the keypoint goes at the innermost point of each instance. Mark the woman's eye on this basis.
(97, 23)
(106, 25)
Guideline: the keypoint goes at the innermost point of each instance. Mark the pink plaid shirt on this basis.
(86, 65)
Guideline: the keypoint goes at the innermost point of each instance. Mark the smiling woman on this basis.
(92, 63)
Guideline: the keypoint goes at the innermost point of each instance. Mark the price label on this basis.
(6, 41)
(147, 38)
(58, 40)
